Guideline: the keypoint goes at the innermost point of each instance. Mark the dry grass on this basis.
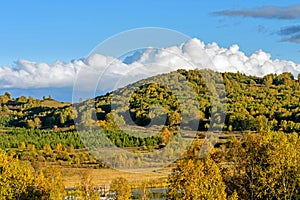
(73, 176)
(53, 103)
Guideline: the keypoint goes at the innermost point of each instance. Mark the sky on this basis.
(43, 44)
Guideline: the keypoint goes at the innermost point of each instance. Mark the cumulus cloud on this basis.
(268, 12)
(109, 73)
(28, 74)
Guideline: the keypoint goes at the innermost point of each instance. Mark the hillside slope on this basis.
(252, 103)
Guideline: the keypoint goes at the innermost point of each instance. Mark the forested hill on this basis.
(253, 103)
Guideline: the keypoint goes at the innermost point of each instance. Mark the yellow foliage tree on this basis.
(165, 136)
(265, 166)
(55, 179)
(196, 179)
(121, 188)
(15, 177)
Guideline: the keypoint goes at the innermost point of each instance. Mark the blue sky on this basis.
(46, 31)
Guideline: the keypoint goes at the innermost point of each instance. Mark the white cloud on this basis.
(114, 73)
(27, 74)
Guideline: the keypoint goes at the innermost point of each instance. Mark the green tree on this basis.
(7, 94)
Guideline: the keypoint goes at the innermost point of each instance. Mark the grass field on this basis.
(73, 176)
(53, 103)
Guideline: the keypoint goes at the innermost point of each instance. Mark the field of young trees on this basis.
(256, 157)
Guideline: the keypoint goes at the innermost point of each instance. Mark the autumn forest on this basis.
(255, 122)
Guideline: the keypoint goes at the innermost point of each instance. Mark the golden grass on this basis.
(73, 176)
(53, 103)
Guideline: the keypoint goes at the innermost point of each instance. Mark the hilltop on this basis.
(252, 103)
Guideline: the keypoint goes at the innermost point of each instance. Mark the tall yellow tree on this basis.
(55, 179)
(144, 192)
(86, 187)
(15, 177)
(196, 179)
(265, 166)
(120, 186)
